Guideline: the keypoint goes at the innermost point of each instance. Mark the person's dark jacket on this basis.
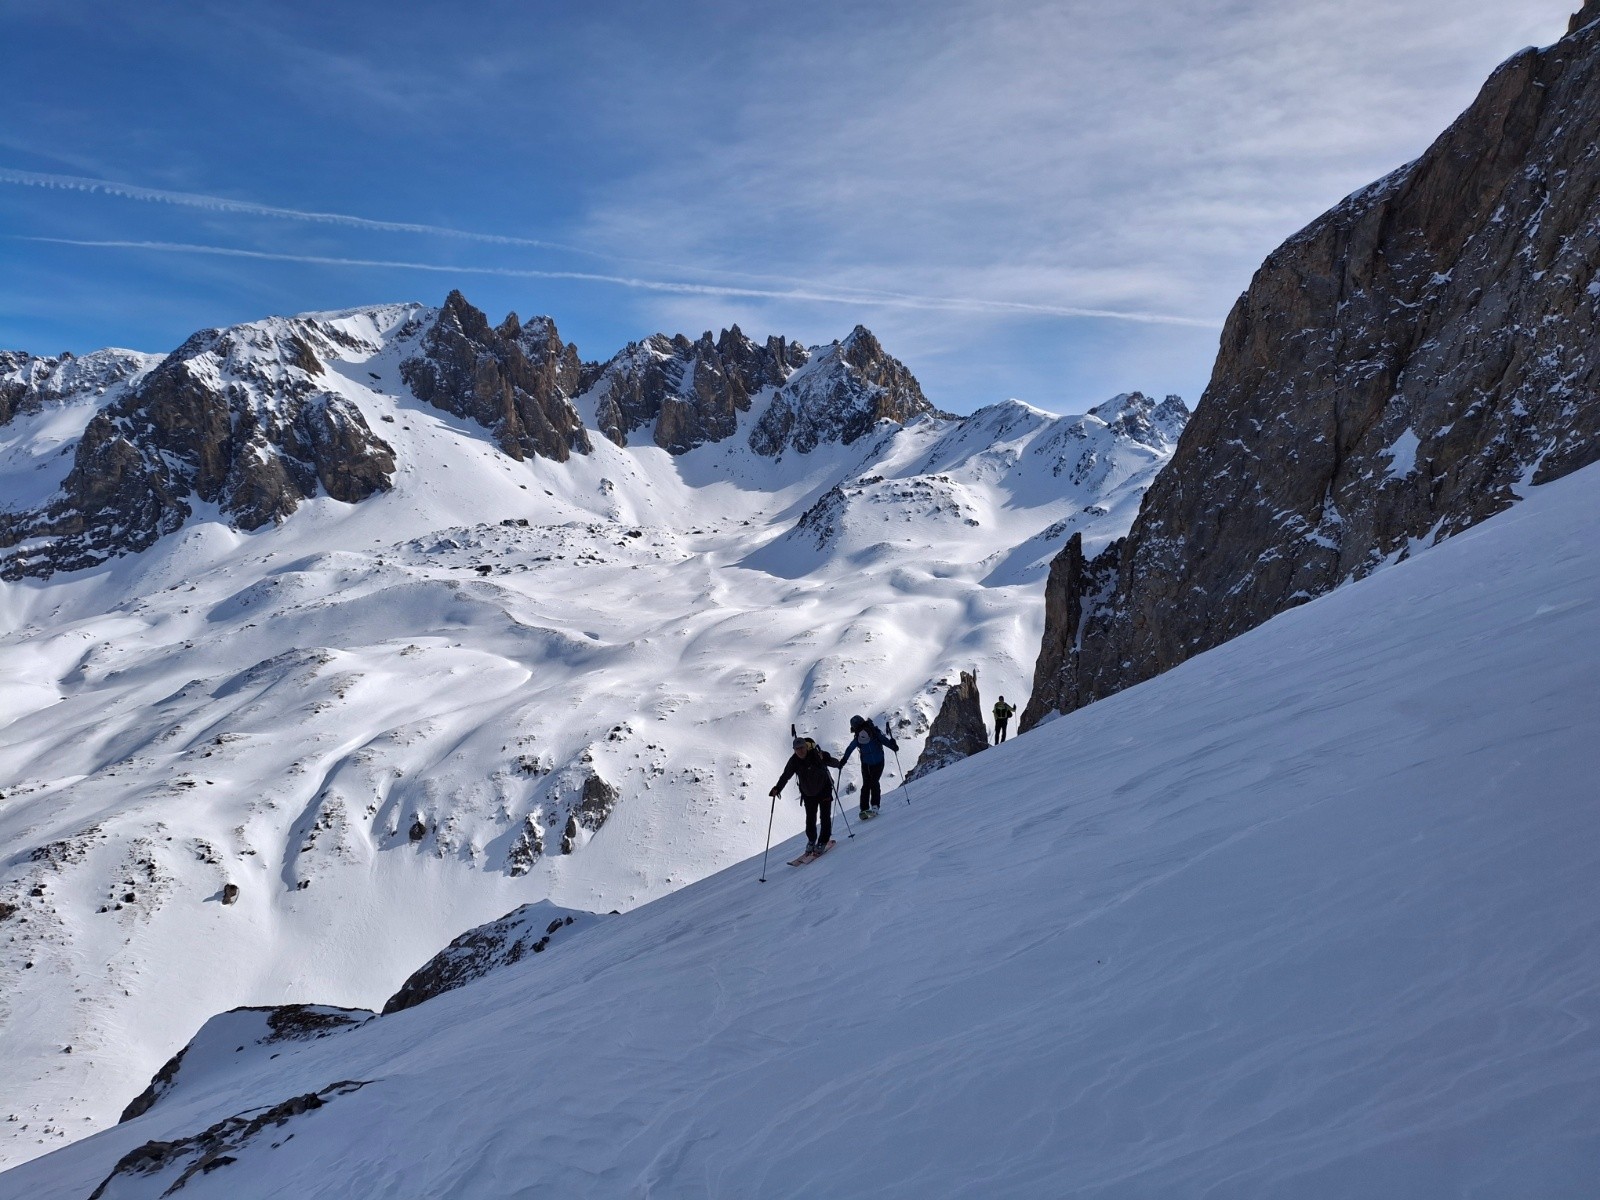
(811, 772)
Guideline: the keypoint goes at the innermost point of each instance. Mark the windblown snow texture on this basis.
(1316, 915)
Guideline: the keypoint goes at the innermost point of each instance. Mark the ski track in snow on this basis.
(1315, 914)
(276, 709)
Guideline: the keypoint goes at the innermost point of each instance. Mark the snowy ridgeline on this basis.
(1316, 914)
(255, 768)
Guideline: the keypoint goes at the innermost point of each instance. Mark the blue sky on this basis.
(1053, 201)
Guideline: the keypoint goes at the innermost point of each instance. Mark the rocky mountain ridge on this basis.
(1399, 370)
(256, 419)
(689, 392)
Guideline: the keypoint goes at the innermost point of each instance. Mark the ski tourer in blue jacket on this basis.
(870, 740)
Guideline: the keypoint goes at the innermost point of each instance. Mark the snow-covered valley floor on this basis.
(1316, 914)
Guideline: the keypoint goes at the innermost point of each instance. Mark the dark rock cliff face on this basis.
(1076, 586)
(239, 418)
(846, 390)
(1395, 373)
(958, 731)
(516, 381)
(693, 392)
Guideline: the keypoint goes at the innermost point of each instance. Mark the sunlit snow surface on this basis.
(279, 709)
(1314, 915)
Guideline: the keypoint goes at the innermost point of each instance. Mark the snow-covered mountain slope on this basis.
(1316, 914)
(384, 722)
(45, 404)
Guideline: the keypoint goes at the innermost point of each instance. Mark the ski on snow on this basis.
(811, 855)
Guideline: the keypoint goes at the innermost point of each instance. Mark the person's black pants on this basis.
(999, 732)
(871, 789)
(813, 804)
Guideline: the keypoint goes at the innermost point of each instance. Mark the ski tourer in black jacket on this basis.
(809, 764)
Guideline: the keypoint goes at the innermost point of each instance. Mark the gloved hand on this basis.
(774, 793)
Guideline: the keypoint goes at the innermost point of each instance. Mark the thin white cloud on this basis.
(857, 299)
(1144, 143)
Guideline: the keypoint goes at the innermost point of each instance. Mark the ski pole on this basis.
(904, 785)
(840, 803)
(772, 813)
(898, 767)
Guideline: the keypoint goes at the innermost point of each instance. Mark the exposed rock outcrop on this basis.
(840, 395)
(523, 931)
(516, 380)
(240, 1031)
(958, 731)
(240, 418)
(1396, 373)
(693, 392)
(29, 382)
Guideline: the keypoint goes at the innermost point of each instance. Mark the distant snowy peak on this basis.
(840, 395)
(690, 393)
(1137, 418)
(528, 388)
(29, 382)
(245, 419)
(942, 478)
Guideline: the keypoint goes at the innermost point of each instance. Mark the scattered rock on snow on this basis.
(204, 1152)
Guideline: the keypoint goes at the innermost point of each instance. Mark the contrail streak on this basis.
(810, 294)
(128, 191)
(220, 204)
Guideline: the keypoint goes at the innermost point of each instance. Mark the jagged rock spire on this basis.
(516, 381)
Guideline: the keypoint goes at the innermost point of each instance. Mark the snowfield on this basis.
(384, 723)
(1316, 914)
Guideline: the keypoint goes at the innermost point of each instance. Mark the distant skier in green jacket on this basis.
(1002, 714)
